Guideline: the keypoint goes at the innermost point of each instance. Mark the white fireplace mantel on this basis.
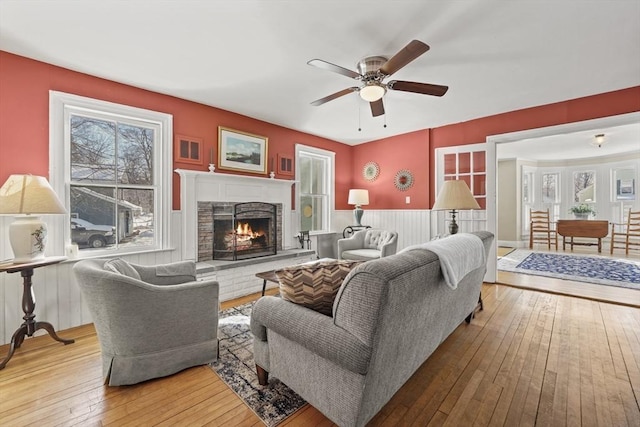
(197, 186)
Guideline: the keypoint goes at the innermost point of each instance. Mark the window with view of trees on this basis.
(584, 184)
(113, 180)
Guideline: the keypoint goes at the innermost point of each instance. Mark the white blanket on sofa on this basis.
(459, 254)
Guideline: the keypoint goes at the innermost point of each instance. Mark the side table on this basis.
(30, 326)
(350, 229)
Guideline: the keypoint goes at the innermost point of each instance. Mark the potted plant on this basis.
(582, 211)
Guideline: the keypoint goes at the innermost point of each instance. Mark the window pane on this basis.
(584, 187)
(135, 217)
(549, 187)
(479, 161)
(92, 216)
(624, 182)
(317, 185)
(135, 155)
(450, 164)
(525, 188)
(92, 150)
(311, 208)
(305, 174)
(464, 163)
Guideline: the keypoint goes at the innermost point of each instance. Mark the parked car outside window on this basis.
(84, 233)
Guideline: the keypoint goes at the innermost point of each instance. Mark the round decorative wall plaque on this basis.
(371, 171)
(403, 180)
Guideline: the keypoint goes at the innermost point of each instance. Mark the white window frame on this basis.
(329, 185)
(61, 106)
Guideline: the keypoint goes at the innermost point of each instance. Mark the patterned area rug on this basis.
(623, 273)
(272, 403)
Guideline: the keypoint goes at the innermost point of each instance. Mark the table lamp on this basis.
(28, 196)
(358, 197)
(455, 195)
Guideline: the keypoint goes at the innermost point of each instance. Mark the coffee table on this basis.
(267, 276)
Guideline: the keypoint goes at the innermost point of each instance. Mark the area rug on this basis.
(601, 270)
(272, 403)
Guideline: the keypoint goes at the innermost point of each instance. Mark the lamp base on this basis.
(357, 215)
(453, 226)
(28, 237)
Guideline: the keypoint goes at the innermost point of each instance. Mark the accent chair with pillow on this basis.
(365, 245)
(151, 321)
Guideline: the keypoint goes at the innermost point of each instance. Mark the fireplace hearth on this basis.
(244, 230)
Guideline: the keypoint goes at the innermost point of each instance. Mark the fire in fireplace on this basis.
(244, 230)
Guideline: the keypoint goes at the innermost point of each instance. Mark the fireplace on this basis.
(244, 230)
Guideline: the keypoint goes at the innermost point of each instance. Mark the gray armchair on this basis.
(365, 245)
(151, 321)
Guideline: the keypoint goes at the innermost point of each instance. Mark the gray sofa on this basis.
(389, 315)
(151, 321)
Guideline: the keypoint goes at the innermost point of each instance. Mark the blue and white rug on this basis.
(624, 273)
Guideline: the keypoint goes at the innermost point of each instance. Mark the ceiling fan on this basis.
(373, 70)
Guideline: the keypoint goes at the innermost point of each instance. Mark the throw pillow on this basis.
(314, 285)
(118, 265)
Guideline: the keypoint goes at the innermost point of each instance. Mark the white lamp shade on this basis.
(29, 194)
(455, 195)
(358, 197)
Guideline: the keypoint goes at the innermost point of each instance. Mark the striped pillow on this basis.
(314, 285)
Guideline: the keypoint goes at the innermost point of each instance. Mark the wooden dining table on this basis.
(582, 228)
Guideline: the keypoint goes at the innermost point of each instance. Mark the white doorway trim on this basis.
(492, 164)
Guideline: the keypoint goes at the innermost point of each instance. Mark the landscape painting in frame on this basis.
(242, 151)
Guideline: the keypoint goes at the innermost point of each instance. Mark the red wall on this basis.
(24, 130)
(408, 151)
(574, 110)
(24, 120)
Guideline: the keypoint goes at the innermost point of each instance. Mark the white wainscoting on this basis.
(58, 299)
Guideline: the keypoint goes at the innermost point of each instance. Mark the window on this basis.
(624, 184)
(584, 184)
(315, 176)
(468, 166)
(550, 186)
(116, 174)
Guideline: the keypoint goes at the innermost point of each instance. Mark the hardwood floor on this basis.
(530, 358)
(592, 291)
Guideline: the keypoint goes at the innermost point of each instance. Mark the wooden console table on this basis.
(582, 228)
(30, 326)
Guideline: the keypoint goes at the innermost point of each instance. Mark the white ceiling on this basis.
(249, 56)
(619, 140)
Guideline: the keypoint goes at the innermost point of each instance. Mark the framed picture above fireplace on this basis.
(242, 151)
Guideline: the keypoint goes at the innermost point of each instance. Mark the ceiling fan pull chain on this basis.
(359, 116)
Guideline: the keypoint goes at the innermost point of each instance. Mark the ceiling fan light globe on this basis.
(372, 93)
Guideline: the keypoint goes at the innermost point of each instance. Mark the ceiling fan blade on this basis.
(423, 88)
(377, 108)
(334, 96)
(410, 52)
(333, 67)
